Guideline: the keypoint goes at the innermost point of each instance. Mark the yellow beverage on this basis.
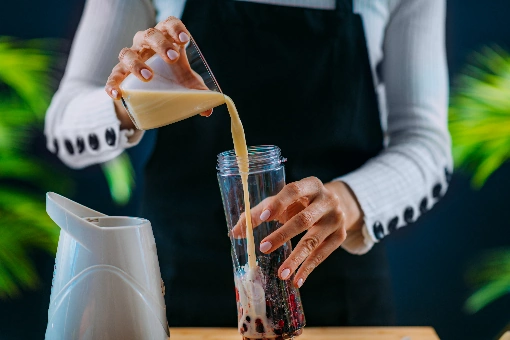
(150, 109)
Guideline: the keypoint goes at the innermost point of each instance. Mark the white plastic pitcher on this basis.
(107, 283)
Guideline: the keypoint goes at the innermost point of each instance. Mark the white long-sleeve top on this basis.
(405, 41)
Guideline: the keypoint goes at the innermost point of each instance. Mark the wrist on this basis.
(350, 205)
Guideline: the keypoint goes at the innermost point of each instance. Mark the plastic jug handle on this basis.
(73, 218)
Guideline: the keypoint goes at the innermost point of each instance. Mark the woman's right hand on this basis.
(167, 39)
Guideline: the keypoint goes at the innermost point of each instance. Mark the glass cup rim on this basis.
(260, 158)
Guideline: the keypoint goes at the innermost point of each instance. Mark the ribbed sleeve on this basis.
(81, 125)
(413, 171)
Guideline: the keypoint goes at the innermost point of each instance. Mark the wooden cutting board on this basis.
(325, 333)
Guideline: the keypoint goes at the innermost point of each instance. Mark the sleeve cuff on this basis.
(392, 199)
(89, 132)
(359, 242)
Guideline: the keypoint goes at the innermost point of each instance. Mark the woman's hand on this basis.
(167, 39)
(326, 212)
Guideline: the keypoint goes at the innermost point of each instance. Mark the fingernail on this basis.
(300, 283)
(209, 115)
(115, 94)
(285, 274)
(265, 215)
(265, 246)
(146, 73)
(172, 54)
(183, 37)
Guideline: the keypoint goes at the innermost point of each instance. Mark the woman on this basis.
(354, 92)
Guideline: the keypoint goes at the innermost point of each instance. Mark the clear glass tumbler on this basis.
(267, 306)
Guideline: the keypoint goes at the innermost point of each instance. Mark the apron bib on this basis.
(301, 80)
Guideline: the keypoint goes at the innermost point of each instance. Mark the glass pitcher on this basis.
(174, 93)
(280, 314)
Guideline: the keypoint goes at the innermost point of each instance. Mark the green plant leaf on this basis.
(119, 174)
(479, 118)
(487, 294)
(490, 276)
(25, 69)
(33, 171)
(24, 225)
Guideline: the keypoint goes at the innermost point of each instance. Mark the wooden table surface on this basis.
(319, 333)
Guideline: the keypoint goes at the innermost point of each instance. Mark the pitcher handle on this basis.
(74, 218)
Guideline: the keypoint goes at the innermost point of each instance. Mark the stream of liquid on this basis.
(250, 281)
(150, 109)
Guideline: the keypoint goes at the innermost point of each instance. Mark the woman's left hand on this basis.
(327, 212)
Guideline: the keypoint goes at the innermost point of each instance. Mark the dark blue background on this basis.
(428, 260)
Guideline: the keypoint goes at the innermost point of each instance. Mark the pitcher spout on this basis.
(75, 219)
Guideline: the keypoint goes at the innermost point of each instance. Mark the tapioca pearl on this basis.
(248, 319)
(245, 328)
(259, 327)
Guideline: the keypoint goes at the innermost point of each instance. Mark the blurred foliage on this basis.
(24, 226)
(480, 114)
(120, 176)
(26, 88)
(491, 274)
(480, 128)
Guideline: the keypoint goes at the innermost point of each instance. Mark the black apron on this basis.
(301, 80)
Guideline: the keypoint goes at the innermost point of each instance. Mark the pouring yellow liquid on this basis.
(155, 108)
(241, 151)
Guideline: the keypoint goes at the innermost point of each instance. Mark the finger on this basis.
(238, 231)
(155, 39)
(260, 214)
(175, 29)
(304, 190)
(306, 246)
(304, 220)
(132, 63)
(112, 87)
(330, 244)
